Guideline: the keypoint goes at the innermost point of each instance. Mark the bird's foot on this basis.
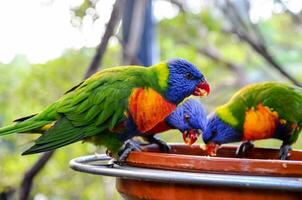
(163, 146)
(109, 153)
(129, 146)
(111, 163)
(284, 153)
(243, 148)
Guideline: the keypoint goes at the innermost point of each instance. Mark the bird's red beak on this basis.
(202, 89)
(190, 137)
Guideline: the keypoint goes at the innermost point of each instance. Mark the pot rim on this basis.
(257, 161)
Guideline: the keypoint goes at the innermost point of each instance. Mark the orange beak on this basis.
(191, 136)
(202, 89)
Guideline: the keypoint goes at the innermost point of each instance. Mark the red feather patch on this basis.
(160, 127)
(148, 108)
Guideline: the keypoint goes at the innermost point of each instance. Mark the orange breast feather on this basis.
(147, 108)
(260, 123)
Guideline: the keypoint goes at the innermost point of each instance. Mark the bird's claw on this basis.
(129, 146)
(284, 153)
(111, 163)
(243, 148)
(163, 146)
(109, 153)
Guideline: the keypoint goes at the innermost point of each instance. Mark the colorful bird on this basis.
(258, 111)
(189, 117)
(123, 101)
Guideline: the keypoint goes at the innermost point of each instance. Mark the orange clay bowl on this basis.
(187, 173)
(262, 162)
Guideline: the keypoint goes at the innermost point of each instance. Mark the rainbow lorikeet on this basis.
(123, 101)
(258, 111)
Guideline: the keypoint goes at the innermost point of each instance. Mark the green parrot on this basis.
(257, 111)
(112, 106)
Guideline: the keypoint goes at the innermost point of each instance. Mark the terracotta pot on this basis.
(187, 173)
(262, 162)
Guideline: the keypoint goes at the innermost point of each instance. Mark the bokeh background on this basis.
(47, 46)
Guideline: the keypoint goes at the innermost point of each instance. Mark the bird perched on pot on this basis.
(115, 104)
(189, 117)
(258, 111)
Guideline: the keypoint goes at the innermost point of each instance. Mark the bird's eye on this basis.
(187, 118)
(189, 76)
(214, 134)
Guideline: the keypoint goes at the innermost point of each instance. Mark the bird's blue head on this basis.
(219, 132)
(184, 80)
(190, 118)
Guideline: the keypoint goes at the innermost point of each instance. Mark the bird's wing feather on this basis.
(86, 111)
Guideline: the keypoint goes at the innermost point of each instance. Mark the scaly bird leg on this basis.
(129, 146)
(243, 148)
(284, 153)
(163, 146)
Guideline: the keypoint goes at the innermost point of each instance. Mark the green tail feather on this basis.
(24, 118)
(61, 134)
(22, 127)
(32, 122)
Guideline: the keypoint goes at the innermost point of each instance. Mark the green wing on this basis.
(283, 98)
(97, 104)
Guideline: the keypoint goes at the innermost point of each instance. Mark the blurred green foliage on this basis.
(27, 89)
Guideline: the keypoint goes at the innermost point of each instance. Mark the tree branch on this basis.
(135, 32)
(113, 21)
(255, 42)
(179, 4)
(213, 53)
(296, 18)
(30, 174)
(269, 58)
